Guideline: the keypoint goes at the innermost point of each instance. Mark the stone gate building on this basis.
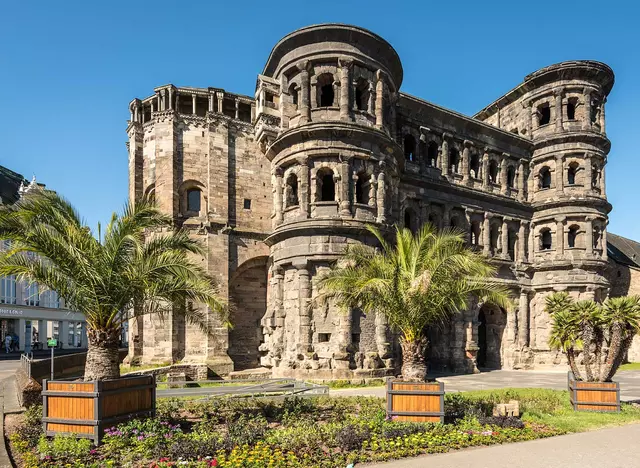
(277, 184)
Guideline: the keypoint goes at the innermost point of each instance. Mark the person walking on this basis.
(7, 343)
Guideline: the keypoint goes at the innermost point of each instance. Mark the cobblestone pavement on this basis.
(607, 448)
(629, 383)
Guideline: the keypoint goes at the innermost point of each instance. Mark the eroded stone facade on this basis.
(277, 184)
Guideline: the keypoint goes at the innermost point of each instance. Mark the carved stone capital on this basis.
(345, 62)
(446, 136)
(304, 65)
(468, 144)
(560, 219)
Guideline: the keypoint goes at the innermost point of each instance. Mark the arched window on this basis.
(326, 185)
(362, 94)
(545, 239)
(571, 108)
(454, 160)
(291, 191)
(544, 114)
(325, 91)
(362, 188)
(511, 177)
(409, 219)
(571, 173)
(493, 172)
(194, 197)
(474, 232)
(293, 92)
(410, 148)
(474, 166)
(432, 154)
(572, 236)
(545, 178)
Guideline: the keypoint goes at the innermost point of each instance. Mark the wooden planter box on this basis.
(594, 396)
(415, 401)
(86, 409)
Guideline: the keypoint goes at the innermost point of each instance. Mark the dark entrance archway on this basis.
(248, 293)
(492, 322)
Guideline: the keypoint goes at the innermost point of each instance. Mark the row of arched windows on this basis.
(574, 238)
(326, 88)
(326, 188)
(544, 175)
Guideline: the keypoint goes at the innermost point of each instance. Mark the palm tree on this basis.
(419, 281)
(622, 315)
(110, 280)
(565, 330)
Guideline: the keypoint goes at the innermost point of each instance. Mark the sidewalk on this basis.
(607, 448)
(8, 404)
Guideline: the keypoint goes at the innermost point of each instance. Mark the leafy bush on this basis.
(457, 406)
(351, 437)
(403, 429)
(246, 429)
(64, 448)
(29, 430)
(502, 421)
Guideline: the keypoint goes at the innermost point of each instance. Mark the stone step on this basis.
(251, 374)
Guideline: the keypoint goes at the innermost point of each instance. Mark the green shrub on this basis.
(64, 448)
(246, 430)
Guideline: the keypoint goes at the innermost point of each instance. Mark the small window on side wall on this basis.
(545, 239)
(544, 114)
(545, 178)
(194, 200)
(571, 109)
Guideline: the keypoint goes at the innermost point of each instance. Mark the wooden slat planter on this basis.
(415, 401)
(86, 409)
(594, 396)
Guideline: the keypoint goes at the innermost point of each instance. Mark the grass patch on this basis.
(339, 384)
(126, 369)
(630, 366)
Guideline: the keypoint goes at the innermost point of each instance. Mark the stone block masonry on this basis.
(276, 185)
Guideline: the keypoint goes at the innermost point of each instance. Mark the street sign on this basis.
(52, 343)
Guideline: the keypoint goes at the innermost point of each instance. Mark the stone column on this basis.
(304, 291)
(559, 113)
(22, 331)
(465, 162)
(589, 236)
(486, 234)
(531, 242)
(521, 181)
(170, 99)
(586, 122)
(278, 203)
(63, 333)
(382, 194)
(602, 119)
(588, 172)
(345, 82)
(210, 102)
(345, 201)
(523, 320)
(559, 173)
(303, 102)
(372, 190)
(220, 96)
(522, 253)
(446, 217)
(504, 237)
(42, 333)
(237, 109)
(383, 343)
(560, 236)
(485, 170)
(529, 116)
(344, 338)
(503, 174)
(305, 181)
(153, 108)
(605, 254)
(379, 99)
(603, 189)
(445, 154)
(193, 104)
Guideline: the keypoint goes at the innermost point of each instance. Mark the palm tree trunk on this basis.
(599, 340)
(624, 348)
(587, 338)
(414, 365)
(614, 349)
(571, 359)
(102, 356)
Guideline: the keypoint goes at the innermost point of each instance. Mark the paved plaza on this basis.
(629, 383)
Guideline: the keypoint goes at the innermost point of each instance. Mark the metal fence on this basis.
(25, 364)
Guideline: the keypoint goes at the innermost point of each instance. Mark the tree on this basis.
(588, 326)
(420, 281)
(141, 266)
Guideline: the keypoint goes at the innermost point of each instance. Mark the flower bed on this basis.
(318, 432)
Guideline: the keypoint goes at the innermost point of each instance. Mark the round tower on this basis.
(568, 250)
(324, 119)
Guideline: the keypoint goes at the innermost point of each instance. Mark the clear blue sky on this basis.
(68, 70)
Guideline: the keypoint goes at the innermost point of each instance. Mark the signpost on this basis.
(27, 337)
(52, 343)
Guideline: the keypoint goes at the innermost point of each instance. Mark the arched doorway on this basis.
(248, 294)
(492, 322)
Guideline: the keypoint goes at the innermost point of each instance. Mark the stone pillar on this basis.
(84, 343)
(237, 109)
(503, 174)
(603, 189)
(465, 162)
(523, 320)
(22, 331)
(345, 82)
(522, 253)
(305, 109)
(63, 332)
(344, 337)
(382, 194)
(586, 122)
(531, 242)
(560, 236)
(220, 96)
(193, 104)
(602, 119)
(486, 234)
(528, 106)
(589, 236)
(305, 181)
(345, 202)
(170, 106)
(559, 113)
(588, 172)
(379, 99)
(153, 108)
(605, 254)
(445, 154)
(210, 102)
(424, 212)
(446, 217)
(485, 170)
(559, 173)
(278, 204)
(521, 181)
(42, 333)
(372, 190)
(504, 237)
(304, 310)
(383, 343)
